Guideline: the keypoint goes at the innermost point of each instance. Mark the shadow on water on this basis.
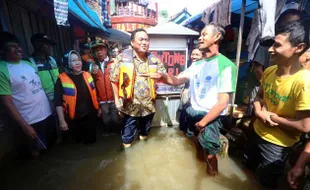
(165, 161)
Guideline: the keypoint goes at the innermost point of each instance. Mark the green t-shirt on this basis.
(209, 78)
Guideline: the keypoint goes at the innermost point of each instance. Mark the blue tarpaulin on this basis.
(81, 10)
(250, 7)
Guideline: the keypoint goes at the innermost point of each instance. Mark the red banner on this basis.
(175, 63)
(174, 60)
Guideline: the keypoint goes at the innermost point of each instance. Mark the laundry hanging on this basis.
(218, 13)
(104, 14)
(258, 24)
(61, 12)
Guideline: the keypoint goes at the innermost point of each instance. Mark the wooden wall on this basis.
(23, 20)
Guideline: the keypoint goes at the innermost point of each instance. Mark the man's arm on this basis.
(168, 79)
(174, 81)
(298, 170)
(301, 123)
(215, 111)
(7, 101)
(114, 77)
(260, 110)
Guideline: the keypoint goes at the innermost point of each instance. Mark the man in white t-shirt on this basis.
(212, 80)
(23, 97)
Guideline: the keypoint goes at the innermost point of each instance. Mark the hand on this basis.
(200, 125)
(31, 132)
(119, 105)
(156, 76)
(293, 176)
(63, 125)
(99, 112)
(265, 116)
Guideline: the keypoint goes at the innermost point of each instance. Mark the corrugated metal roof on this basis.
(171, 28)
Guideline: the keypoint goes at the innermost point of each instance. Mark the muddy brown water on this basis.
(166, 161)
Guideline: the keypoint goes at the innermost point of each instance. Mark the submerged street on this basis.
(166, 160)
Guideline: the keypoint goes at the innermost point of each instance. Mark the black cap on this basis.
(43, 38)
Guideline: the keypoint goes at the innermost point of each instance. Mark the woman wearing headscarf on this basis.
(76, 100)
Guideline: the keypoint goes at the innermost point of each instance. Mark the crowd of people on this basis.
(45, 104)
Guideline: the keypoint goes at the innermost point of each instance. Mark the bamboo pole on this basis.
(238, 57)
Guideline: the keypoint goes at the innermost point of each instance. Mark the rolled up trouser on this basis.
(209, 138)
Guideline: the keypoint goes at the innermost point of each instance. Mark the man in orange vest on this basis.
(101, 73)
(134, 95)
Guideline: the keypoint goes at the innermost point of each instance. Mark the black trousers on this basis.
(84, 128)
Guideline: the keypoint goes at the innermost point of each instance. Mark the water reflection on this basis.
(165, 161)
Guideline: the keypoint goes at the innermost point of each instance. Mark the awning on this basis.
(81, 10)
(118, 36)
(250, 7)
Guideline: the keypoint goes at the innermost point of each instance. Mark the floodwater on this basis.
(166, 161)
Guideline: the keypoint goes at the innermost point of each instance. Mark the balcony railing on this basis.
(125, 11)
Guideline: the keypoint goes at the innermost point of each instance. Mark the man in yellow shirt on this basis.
(282, 106)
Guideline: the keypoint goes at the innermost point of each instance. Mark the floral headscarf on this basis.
(66, 61)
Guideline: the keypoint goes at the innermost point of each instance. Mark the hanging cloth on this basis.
(218, 13)
(259, 23)
(61, 12)
(104, 14)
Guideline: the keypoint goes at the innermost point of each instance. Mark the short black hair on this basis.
(133, 34)
(285, 15)
(6, 37)
(295, 30)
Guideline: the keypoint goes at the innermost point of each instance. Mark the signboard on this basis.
(129, 27)
(175, 62)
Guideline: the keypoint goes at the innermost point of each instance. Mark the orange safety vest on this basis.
(127, 75)
(70, 92)
(103, 84)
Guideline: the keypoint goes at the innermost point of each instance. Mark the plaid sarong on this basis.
(209, 138)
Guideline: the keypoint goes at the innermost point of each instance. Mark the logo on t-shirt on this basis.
(36, 86)
(208, 79)
(23, 78)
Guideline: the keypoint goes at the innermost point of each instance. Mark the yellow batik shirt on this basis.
(142, 103)
(283, 96)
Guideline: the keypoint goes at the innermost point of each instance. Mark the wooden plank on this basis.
(6, 21)
(54, 37)
(40, 24)
(27, 28)
(68, 36)
(239, 44)
(58, 41)
(61, 40)
(34, 23)
(18, 26)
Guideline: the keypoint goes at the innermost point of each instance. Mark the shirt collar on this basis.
(136, 57)
(107, 59)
